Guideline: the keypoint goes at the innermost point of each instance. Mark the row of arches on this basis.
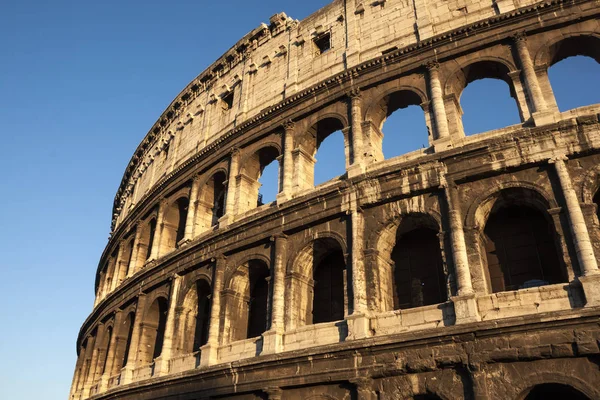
(519, 245)
(258, 177)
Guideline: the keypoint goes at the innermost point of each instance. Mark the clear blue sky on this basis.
(80, 84)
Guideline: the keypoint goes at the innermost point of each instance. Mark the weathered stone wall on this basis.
(203, 293)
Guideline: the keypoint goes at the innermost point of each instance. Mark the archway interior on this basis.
(262, 171)
(211, 203)
(174, 223)
(574, 70)
(259, 297)
(153, 331)
(328, 276)
(418, 271)
(485, 102)
(325, 142)
(149, 237)
(555, 391)
(402, 123)
(520, 249)
(127, 330)
(195, 317)
(596, 200)
(107, 341)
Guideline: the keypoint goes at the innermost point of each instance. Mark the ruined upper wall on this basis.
(274, 62)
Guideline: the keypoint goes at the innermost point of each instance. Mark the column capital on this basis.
(557, 157)
(234, 152)
(354, 93)
(519, 36)
(279, 236)
(288, 125)
(432, 66)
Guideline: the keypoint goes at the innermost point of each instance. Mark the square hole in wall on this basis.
(227, 101)
(322, 43)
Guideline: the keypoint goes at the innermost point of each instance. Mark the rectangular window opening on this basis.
(323, 43)
(228, 101)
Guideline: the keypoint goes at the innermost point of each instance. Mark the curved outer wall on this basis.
(467, 269)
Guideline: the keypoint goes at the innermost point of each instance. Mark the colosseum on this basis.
(465, 269)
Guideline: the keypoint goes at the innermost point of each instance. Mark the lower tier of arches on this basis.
(520, 359)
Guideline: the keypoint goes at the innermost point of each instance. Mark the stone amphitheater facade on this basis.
(467, 269)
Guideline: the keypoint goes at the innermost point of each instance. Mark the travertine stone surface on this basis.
(466, 269)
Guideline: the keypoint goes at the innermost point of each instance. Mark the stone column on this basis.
(288, 162)
(155, 252)
(540, 113)
(132, 268)
(273, 338)
(439, 111)
(357, 165)
(209, 352)
(465, 305)
(231, 188)
(191, 216)
(588, 265)
(85, 368)
(118, 267)
(127, 373)
(358, 321)
(111, 351)
(161, 364)
(92, 374)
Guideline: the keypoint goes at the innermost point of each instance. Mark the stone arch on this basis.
(308, 141)
(147, 236)
(557, 49)
(590, 185)
(252, 168)
(387, 103)
(210, 206)
(246, 300)
(474, 216)
(123, 343)
(524, 385)
(174, 220)
(485, 67)
(317, 275)
(585, 43)
(193, 316)
(393, 250)
(518, 211)
(379, 109)
(153, 329)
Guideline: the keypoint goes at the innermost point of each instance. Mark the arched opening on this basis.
(127, 256)
(124, 342)
(418, 268)
(246, 301)
(174, 224)
(328, 277)
(153, 331)
(211, 203)
(259, 297)
(554, 391)
(485, 100)
(269, 184)
(146, 242)
(250, 178)
(107, 340)
(195, 317)
(520, 248)
(400, 117)
(574, 66)
(326, 138)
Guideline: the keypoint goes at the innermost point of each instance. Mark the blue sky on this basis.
(80, 85)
